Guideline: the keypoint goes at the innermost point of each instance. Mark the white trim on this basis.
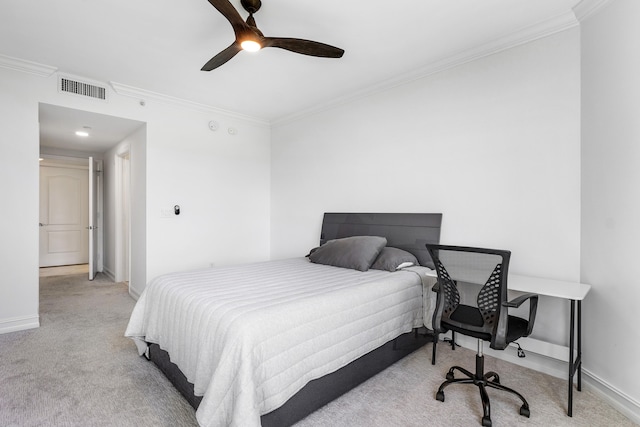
(622, 402)
(100, 214)
(143, 95)
(133, 294)
(64, 162)
(25, 66)
(19, 324)
(525, 35)
(51, 152)
(122, 230)
(587, 8)
(107, 272)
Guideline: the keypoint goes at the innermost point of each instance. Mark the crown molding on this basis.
(43, 70)
(587, 8)
(25, 66)
(143, 95)
(525, 35)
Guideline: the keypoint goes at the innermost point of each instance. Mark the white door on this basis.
(63, 216)
(93, 220)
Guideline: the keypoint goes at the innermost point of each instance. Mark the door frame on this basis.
(122, 265)
(81, 163)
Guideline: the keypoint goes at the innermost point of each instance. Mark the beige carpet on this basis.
(404, 395)
(77, 369)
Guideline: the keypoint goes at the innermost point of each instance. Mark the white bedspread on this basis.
(249, 337)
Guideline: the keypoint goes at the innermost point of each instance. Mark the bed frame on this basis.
(408, 231)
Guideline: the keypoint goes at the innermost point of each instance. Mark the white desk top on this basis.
(542, 286)
(548, 287)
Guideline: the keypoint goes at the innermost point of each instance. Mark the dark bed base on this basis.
(316, 393)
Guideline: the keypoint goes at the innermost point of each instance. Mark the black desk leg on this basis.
(575, 364)
(571, 364)
(580, 345)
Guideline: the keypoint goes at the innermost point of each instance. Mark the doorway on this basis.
(70, 214)
(76, 135)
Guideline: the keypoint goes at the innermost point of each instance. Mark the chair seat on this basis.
(469, 315)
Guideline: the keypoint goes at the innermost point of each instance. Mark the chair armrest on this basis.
(533, 307)
(517, 302)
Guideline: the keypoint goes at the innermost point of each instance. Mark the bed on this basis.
(268, 343)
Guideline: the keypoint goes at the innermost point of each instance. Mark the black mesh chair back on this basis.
(472, 300)
(481, 274)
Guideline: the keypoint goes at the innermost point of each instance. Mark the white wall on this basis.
(221, 180)
(493, 145)
(610, 195)
(19, 226)
(222, 184)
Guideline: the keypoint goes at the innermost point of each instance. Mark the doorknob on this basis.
(42, 225)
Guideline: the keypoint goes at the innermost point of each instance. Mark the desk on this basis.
(572, 291)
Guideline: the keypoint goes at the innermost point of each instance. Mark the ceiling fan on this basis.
(250, 38)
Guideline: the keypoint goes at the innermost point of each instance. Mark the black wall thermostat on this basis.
(176, 209)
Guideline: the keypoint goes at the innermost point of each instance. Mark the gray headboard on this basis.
(407, 231)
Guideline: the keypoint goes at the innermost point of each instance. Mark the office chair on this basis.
(472, 300)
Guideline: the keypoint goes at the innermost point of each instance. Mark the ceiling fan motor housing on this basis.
(251, 6)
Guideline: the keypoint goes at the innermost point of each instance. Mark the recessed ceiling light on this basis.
(82, 133)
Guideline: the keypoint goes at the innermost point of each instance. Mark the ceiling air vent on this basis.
(77, 87)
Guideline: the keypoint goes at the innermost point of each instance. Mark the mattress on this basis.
(249, 337)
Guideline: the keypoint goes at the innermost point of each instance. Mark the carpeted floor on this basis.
(77, 369)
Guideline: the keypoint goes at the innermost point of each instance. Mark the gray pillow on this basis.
(391, 258)
(357, 252)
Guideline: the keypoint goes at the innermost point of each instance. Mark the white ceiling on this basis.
(159, 46)
(59, 124)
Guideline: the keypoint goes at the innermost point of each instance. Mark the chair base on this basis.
(482, 381)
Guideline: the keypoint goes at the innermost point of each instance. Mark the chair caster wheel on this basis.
(486, 422)
(440, 396)
(524, 411)
(450, 376)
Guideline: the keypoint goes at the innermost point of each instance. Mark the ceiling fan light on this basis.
(250, 45)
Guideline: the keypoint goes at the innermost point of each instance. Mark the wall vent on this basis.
(77, 87)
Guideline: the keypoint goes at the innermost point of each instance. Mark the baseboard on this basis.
(19, 324)
(622, 402)
(553, 363)
(109, 273)
(135, 295)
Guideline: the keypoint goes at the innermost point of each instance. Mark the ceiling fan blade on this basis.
(305, 47)
(222, 57)
(228, 11)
